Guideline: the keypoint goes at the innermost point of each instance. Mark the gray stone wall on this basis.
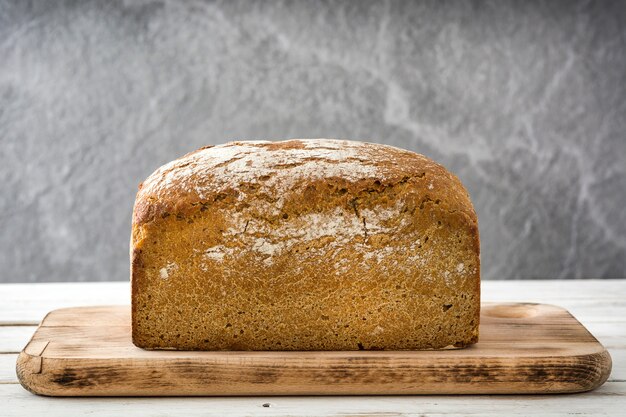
(524, 100)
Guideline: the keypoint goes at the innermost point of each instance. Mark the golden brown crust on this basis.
(164, 192)
(224, 231)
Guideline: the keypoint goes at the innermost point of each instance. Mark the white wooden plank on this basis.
(590, 301)
(7, 369)
(611, 335)
(543, 290)
(618, 372)
(607, 400)
(14, 338)
(29, 303)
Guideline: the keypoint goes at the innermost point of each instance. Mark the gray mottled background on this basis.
(525, 101)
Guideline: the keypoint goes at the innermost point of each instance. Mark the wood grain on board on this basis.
(523, 348)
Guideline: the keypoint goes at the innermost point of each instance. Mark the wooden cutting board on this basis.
(523, 348)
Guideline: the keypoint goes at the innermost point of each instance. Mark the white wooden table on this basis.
(599, 304)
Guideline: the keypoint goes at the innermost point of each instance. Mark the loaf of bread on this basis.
(312, 244)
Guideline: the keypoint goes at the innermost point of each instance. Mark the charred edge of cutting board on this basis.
(599, 366)
(26, 369)
(28, 365)
(64, 380)
(578, 374)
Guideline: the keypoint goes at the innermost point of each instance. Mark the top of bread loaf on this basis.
(267, 169)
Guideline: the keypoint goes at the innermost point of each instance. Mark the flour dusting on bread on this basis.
(235, 163)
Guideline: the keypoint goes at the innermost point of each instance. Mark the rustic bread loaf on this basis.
(304, 245)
